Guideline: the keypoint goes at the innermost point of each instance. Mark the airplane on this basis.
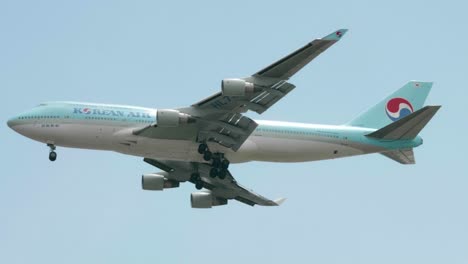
(198, 143)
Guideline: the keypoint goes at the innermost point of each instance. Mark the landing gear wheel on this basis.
(213, 172)
(52, 156)
(195, 177)
(225, 164)
(216, 163)
(202, 148)
(222, 174)
(207, 155)
(199, 185)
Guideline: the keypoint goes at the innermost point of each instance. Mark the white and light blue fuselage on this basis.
(197, 143)
(112, 127)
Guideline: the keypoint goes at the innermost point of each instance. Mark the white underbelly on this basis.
(297, 150)
(122, 140)
(68, 135)
(182, 150)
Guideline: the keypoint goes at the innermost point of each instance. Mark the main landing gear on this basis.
(196, 179)
(219, 166)
(218, 162)
(52, 153)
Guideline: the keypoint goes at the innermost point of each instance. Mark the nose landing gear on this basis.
(52, 153)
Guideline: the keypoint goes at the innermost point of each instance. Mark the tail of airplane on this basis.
(400, 116)
(406, 128)
(401, 103)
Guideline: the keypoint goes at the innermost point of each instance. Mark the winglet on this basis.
(279, 201)
(336, 35)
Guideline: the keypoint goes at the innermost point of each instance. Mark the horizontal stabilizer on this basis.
(407, 127)
(403, 156)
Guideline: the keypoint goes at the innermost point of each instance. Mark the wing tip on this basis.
(279, 201)
(336, 35)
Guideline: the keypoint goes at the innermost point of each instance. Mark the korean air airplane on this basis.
(198, 143)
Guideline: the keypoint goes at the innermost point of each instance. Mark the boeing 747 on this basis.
(198, 143)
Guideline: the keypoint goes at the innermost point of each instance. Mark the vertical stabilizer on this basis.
(401, 103)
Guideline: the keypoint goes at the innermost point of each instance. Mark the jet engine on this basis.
(205, 199)
(157, 181)
(236, 87)
(172, 118)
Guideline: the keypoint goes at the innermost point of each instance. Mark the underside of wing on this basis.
(217, 191)
(268, 93)
(230, 130)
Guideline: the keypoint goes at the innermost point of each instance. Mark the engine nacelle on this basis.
(205, 199)
(157, 181)
(236, 87)
(171, 118)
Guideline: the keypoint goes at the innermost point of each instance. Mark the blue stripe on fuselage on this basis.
(72, 110)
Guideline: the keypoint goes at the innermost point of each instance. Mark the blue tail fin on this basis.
(406, 100)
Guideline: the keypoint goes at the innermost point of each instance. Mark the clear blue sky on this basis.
(88, 207)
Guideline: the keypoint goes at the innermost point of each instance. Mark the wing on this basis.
(271, 81)
(289, 65)
(221, 189)
(219, 118)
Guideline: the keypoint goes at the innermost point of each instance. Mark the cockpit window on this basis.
(43, 104)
